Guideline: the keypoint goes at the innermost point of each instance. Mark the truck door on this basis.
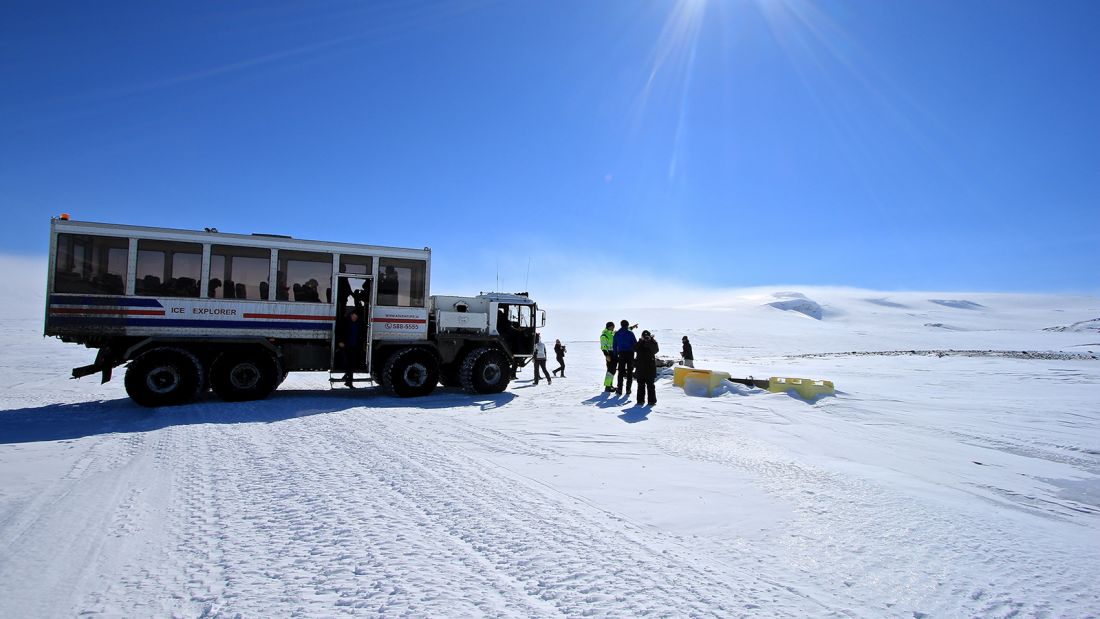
(353, 295)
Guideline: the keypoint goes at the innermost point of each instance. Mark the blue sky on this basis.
(911, 145)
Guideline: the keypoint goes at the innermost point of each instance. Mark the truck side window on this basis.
(304, 276)
(238, 272)
(401, 282)
(360, 265)
(90, 264)
(168, 269)
(520, 316)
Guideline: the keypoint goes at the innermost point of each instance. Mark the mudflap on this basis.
(103, 363)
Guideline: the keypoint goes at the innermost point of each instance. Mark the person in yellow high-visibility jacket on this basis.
(607, 344)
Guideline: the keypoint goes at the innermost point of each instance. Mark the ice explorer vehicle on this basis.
(190, 310)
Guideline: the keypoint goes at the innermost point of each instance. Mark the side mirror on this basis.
(542, 318)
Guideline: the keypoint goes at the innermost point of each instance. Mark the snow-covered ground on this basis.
(941, 480)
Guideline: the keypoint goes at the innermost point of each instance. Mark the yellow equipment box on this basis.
(806, 387)
(698, 380)
(680, 373)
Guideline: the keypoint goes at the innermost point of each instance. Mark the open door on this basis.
(353, 296)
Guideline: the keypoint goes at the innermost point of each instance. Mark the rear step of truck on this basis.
(337, 378)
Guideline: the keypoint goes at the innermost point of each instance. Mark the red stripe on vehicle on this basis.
(288, 316)
(116, 312)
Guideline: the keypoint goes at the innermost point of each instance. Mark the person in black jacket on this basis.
(349, 343)
(645, 368)
(689, 358)
(559, 352)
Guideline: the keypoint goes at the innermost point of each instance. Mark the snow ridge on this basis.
(1084, 326)
(798, 303)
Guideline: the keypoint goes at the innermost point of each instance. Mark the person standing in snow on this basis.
(559, 352)
(689, 358)
(624, 352)
(607, 345)
(540, 360)
(646, 368)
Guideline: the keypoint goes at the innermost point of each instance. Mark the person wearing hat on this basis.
(645, 364)
(607, 342)
(689, 358)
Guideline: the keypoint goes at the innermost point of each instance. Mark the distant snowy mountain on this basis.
(1084, 326)
(799, 303)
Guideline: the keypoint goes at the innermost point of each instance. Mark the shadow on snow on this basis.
(607, 399)
(55, 422)
(636, 413)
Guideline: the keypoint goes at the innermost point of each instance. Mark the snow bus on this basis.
(191, 310)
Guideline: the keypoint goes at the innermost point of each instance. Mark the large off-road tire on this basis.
(485, 370)
(448, 374)
(240, 376)
(410, 373)
(164, 376)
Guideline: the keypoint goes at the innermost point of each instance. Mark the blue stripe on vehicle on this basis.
(60, 321)
(110, 301)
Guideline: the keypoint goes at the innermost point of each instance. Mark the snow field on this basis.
(928, 486)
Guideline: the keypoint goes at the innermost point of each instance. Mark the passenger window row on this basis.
(93, 264)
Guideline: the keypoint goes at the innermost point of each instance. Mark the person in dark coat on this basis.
(624, 354)
(689, 358)
(559, 352)
(645, 365)
(349, 346)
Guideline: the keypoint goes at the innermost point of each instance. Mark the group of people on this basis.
(631, 358)
(634, 359)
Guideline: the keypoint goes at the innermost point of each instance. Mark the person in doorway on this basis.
(646, 368)
(624, 353)
(349, 346)
(689, 358)
(607, 345)
(540, 360)
(559, 352)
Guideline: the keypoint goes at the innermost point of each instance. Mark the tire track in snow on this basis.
(88, 516)
(562, 551)
(366, 512)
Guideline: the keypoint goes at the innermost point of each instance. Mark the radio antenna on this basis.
(498, 275)
(528, 280)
